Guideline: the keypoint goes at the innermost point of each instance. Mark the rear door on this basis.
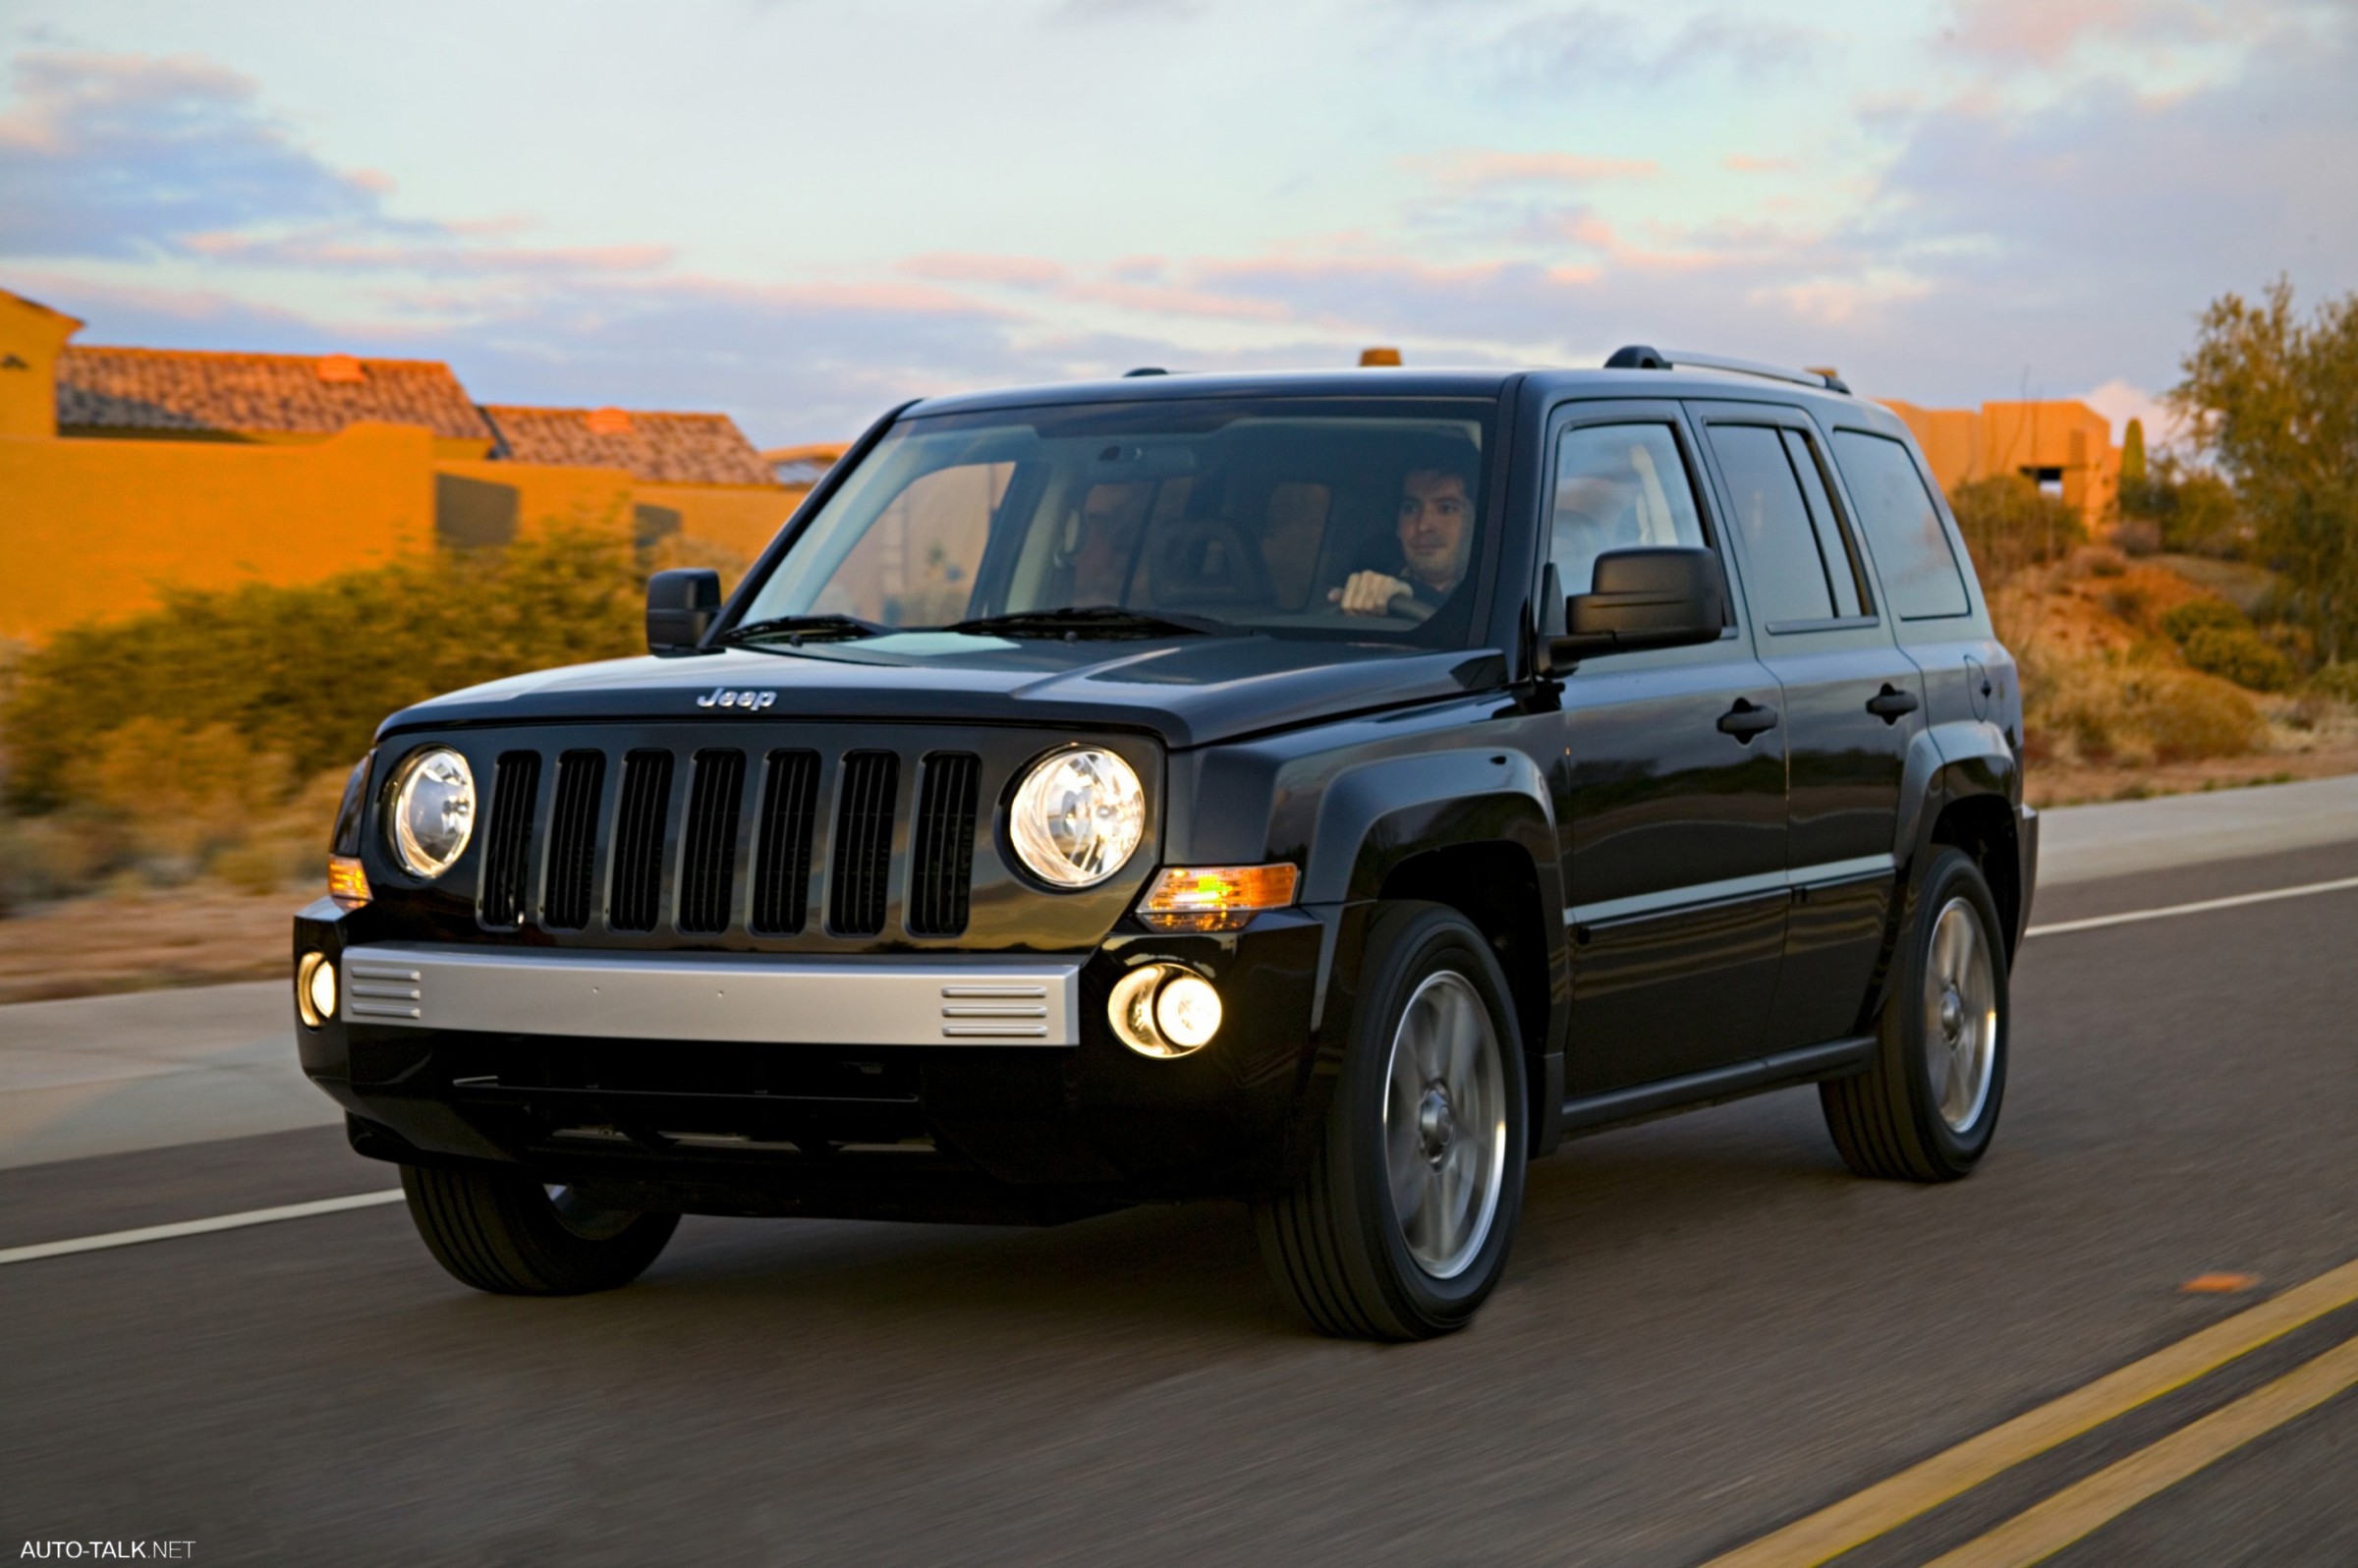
(1672, 791)
(1852, 701)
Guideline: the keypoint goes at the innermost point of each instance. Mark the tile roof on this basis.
(175, 389)
(665, 448)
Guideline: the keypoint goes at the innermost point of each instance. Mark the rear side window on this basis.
(1903, 528)
(1785, 575)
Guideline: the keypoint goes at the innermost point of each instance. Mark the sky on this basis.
(801, 212)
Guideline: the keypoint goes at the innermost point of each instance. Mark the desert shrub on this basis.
(302, 675)
(2133, 711)
(2240, 654)
(2010, 523)
(2337, 681)
(2198, 615)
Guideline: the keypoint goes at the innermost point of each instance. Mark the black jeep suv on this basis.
(1329, 791)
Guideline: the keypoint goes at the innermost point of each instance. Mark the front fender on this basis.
(1376, 815)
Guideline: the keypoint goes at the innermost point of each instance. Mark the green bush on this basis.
(2010, 523)
(2338, 681)
(2240, 654)
(302, 676)
(2202, 615)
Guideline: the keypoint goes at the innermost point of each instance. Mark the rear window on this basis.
(1921, 579)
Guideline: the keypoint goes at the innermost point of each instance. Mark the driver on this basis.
(1435, 529)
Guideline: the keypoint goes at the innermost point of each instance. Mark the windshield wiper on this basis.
(797, 628)
(1090, 620)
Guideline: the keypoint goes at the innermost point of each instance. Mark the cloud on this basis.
(116, 155)
(1593, 48)
(1474, 169)
(2047, 32)
(1011, 271)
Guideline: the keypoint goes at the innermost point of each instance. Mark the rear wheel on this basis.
(1401, 1227)
(1926, 1109)
(512, 1235)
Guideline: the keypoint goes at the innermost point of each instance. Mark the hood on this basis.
(1188, 692)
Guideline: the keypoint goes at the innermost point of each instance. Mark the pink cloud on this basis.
(1745, 163)
(1474, 169)
(2045, 32)
(1011, 271)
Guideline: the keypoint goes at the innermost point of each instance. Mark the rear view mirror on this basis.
(681, 607)
(1644, 598)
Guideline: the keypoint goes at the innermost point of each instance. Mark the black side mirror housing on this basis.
(680, 606)
(1660, 597)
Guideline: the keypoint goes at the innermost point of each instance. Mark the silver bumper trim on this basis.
(752, 998)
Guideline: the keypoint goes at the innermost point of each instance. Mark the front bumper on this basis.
(745, 998)
(786, 1084)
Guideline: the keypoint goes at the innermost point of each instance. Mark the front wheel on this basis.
(511, 1235)
(1400, 1228)
(1925, 1108)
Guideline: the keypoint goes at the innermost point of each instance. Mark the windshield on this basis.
(1343, 518)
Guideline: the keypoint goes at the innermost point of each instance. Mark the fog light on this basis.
(1188, 1010)
(1163, 1010)
(316, 990)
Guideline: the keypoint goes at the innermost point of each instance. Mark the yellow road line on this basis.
(1921, 1486)
(2038, 1534)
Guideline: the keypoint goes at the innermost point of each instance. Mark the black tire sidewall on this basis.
(1952, 874)
(1408, 944)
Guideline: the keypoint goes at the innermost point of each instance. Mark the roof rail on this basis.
(1637, 357)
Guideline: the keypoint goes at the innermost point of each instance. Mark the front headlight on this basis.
(434, 811)
(1077, 816)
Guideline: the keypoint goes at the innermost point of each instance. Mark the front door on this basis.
(1853, 702)
(1672, 783)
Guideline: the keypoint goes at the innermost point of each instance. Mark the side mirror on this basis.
(1644, 598)
(681, 607)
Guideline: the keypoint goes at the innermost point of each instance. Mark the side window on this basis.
(1834, 543)
(1903, 527)
(1617, 488)
(1784, 575)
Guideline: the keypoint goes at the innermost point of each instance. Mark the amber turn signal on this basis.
(347, 882)
(1214, 898)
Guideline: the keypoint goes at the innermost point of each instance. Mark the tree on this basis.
(2274, 401)
(2132, 454)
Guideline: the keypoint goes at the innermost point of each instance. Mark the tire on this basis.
(510, 1235)
(1338, 1248)
(1926, 1109)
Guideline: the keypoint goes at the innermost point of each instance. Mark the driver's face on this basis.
(1434, 513)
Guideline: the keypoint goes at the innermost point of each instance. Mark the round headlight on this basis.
(1077, 816)
(434, 811)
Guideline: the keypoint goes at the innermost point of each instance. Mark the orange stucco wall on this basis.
(1967, 444)
(739, 519)
(89, 529)
(30, 336)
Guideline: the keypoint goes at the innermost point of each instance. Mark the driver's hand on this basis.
(1368, 593)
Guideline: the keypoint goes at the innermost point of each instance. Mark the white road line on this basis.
(2134, 914)
(195, 1227)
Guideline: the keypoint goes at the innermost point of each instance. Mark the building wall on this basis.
(93, 528)
(30, 337)
(2064, 438)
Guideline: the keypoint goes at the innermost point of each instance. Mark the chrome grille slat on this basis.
(941, 848)
(782, 870)
(573, 840)
(858, 880)
(508, 840)
(708, 853)
(634, 900)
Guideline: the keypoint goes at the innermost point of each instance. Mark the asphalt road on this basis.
(1708, 1331)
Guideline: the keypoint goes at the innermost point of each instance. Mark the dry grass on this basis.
(194, 937)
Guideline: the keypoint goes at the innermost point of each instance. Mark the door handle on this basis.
(1891, 703)
(1747, 719)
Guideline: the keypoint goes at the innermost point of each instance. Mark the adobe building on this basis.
(125, 470)
(2063, 447)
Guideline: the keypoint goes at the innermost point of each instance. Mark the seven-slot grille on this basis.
(693, 872)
